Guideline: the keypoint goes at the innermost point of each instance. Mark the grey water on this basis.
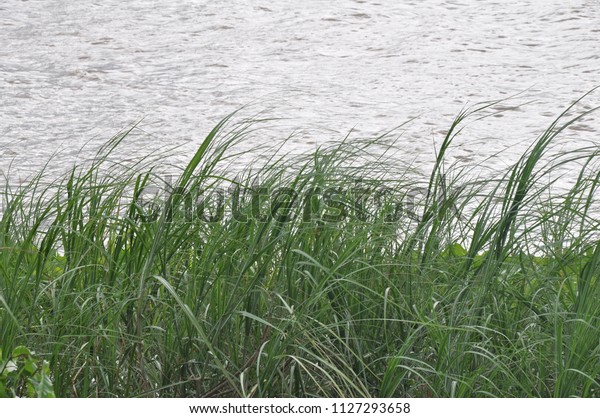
(75, 73)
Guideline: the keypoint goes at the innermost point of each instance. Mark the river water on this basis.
(73, 73)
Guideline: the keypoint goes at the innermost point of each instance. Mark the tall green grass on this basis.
(482, 287)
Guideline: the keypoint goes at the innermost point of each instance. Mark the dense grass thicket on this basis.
(349, 278)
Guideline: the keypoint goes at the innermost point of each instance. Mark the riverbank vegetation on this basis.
(335, 274)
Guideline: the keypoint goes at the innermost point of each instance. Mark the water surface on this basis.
(73, 72)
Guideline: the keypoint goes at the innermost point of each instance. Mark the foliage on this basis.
(23, 375)
(484, 286)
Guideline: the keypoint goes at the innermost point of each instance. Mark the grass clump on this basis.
(334, 274)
